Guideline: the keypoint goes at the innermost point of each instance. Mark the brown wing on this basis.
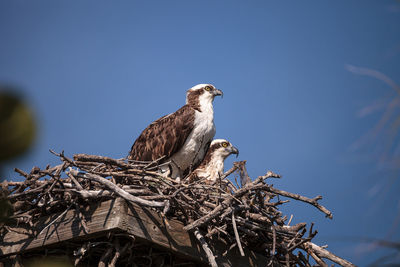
(165, 136)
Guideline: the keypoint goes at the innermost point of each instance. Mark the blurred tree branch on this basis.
(389, 124)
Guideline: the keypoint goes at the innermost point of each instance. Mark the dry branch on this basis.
(206, 248)
(323, 253)
(312, 201)
(122, 193)
(237, 235)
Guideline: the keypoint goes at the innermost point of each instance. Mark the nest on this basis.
(244, 216)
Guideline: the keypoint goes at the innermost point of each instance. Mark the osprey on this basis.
(180, 138)
(212, 165)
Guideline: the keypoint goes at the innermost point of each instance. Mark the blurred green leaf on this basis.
(17, 126)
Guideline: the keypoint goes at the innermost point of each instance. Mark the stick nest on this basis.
(242, 217)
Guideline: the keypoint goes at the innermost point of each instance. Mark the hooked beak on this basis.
(218, 92)
(234, 150)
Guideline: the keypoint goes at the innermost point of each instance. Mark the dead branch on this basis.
(312, 201)
(122, 193)
(206, 248)
(237, 235)
(323, 253)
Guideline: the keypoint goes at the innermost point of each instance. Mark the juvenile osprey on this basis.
(212, 165)
(182, 137)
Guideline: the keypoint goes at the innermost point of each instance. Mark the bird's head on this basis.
(223, 148)
(202, 94)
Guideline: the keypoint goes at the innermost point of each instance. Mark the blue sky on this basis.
(97, 73)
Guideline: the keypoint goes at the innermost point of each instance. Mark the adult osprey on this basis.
(212, 165)
(181, 138)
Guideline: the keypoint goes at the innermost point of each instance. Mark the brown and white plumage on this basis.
(182, 137)
(212, 166)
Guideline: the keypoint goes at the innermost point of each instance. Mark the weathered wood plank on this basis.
(118, 215)
(150, 226)
(99, 218)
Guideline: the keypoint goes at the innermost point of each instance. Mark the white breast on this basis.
(213, 170)
(194, 149)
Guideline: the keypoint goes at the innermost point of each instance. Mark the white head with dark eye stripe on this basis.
(222, 148)
(202, 95)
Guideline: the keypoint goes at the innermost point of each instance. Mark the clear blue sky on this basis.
(98, 72)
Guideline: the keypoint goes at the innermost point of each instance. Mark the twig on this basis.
(312, 201)
(78, 185)
(290, 219)
(153, 162)
(116, 189)
(62, 214)
(273, 241)
(316, 258)
(237, 235)
(206, 248)
(22, 173)
(269, 174)
(229, 172)
(323, 253)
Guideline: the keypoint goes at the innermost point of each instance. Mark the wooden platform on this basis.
(119, 216)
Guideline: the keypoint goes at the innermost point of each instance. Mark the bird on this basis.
(180, 140)
(212, 166)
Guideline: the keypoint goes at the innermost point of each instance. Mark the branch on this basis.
(323, 253)
(237, 235)
(122, 193)
(206, 248)
(312, 201)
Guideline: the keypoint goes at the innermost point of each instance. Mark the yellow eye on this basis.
(208, 88)
(225, 144)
